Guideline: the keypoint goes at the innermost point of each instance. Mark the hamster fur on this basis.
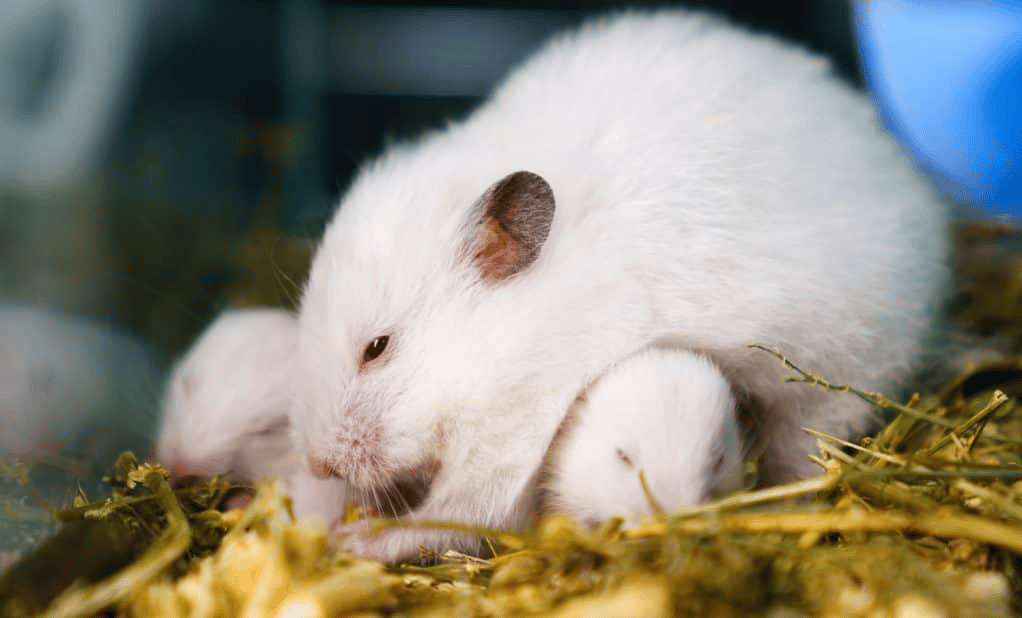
(684, 183)
(667, 413)
(225, 409)
(72, 384)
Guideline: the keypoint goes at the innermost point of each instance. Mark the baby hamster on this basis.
(667, 413)
(225, 409)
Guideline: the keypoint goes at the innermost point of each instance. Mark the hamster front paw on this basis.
(396, 544)
(389, 545)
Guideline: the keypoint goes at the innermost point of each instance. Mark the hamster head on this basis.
(397, 336)
(225, 406)
(667, 413)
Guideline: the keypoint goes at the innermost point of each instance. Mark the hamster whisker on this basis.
(394, 502)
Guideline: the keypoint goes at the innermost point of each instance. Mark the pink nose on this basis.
(320, 467)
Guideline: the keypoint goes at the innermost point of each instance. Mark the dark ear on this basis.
(515, 217)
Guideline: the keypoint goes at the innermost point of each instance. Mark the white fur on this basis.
(71, 384)
(667, 413)
(225, 409)
(316, 497)
(714, 188)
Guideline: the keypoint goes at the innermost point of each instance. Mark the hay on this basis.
(922, 519)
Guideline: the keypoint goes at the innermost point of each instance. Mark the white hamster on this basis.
(225, 409)
(667, 413)
(72, 384)
(659, 178)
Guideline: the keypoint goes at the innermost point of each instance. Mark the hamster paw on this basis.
(397, 544)
(389, 545)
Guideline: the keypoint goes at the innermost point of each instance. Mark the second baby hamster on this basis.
(225, 409)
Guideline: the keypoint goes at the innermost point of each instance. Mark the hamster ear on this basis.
(515, 217)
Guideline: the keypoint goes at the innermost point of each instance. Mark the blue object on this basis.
(947, 76)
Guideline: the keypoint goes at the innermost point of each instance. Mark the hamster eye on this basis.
(375, 348)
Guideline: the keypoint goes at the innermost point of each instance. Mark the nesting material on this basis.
(922, 519)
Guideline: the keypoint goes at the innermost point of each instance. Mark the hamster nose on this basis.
(320, 467)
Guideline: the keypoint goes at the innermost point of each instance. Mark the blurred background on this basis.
(161, 160)
(136, 136)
